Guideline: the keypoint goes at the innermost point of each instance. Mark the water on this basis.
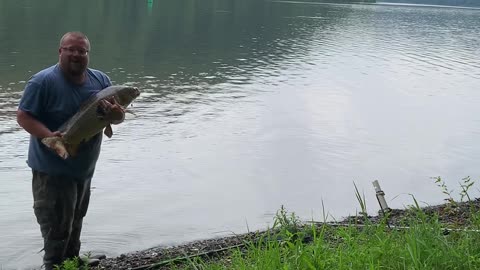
(247, 106)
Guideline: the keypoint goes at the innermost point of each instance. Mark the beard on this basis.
(77, 68)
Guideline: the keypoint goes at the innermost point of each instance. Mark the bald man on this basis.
(61, 188)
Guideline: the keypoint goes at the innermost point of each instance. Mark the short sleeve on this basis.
(101, 78)
(107, 80)
(32, 99)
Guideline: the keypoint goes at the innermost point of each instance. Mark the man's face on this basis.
(73, 55)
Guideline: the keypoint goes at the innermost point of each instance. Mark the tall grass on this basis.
(423, 246)
(421, 243)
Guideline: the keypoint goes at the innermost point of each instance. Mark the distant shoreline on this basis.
(380, 3)
(430, 3)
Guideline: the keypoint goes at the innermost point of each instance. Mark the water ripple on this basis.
(305, 92)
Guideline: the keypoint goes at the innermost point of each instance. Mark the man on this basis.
(61, 188)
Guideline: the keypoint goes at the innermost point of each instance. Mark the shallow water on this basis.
(247, 106)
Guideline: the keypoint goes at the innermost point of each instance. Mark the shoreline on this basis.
(454, 215)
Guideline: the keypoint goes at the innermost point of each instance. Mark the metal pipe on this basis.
(381, 197)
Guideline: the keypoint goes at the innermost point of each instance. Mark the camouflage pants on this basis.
(60, 203)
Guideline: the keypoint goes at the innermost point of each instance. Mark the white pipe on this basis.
(380, 197)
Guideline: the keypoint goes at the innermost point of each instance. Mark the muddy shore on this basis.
(453, 215)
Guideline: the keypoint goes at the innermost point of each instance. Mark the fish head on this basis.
(126, 94)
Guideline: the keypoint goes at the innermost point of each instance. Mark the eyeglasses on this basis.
(80, 51)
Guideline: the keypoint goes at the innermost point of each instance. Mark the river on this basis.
(247, 106)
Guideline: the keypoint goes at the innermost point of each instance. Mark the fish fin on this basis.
(58, 145)
(130, 112)
(108, 131)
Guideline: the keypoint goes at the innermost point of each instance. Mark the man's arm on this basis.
(33, 126)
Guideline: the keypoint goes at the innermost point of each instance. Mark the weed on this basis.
(72, 264)
(466, 185)
(363, 203)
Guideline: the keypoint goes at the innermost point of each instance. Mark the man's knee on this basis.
(46, 217)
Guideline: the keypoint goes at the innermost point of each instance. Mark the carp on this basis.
(92, 117)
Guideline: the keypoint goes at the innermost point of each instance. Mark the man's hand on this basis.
(106, 105)
(56, 134)
(109, 110)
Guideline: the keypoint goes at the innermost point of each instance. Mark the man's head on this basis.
(73, 53)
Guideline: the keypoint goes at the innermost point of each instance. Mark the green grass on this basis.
(422, 246)
(421, 243)
(73, 264)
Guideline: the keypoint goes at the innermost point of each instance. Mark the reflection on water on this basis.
(245, 106)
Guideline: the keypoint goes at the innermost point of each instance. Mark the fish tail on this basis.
(58, 145)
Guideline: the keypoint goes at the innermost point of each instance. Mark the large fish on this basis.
(92, 117)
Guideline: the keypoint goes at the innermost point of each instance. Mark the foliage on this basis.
(73, 264)
(422, 244)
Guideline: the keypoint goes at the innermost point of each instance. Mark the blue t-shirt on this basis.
(52, 99)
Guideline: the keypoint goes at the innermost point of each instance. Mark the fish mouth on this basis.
(136, 92)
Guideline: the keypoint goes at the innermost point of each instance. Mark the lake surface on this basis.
(247, 106)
